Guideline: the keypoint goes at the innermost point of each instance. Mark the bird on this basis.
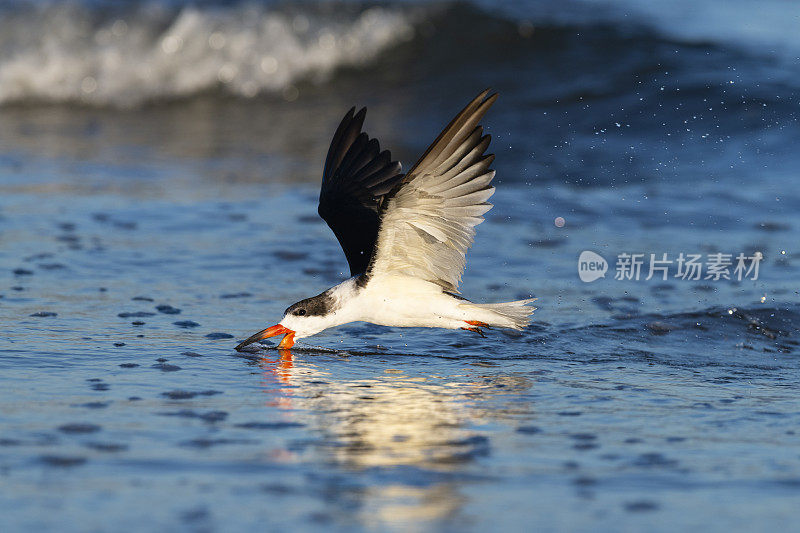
(405, 235)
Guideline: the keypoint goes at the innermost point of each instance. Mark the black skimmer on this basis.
(405, 236)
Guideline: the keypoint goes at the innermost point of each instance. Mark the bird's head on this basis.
(303, 319)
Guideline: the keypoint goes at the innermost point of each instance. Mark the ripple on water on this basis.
(188, 395)
(78, 428)
(219, 336)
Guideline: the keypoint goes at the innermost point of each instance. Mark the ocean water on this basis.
(159, 171)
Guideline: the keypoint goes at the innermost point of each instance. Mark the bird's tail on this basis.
(514, 315)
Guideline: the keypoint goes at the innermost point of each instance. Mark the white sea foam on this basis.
(72, 53)
(99, 53)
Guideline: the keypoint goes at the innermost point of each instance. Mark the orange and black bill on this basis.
(287, 342)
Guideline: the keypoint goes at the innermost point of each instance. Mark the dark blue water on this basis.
(159, 169)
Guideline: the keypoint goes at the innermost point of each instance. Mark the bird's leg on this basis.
(475, 324)
(476, 330)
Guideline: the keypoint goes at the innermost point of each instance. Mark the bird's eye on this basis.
(300, 312)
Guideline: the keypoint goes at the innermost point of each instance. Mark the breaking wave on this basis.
(101, 55)
(118, 53)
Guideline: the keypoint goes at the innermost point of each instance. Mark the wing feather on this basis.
(428, 219)
(356, 177)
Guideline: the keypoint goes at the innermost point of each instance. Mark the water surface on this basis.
(148, 226)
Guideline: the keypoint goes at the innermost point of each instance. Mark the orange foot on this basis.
(475, 330)
(477, 323)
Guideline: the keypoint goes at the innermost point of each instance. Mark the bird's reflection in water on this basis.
(408, 433)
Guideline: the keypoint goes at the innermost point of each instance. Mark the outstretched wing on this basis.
(357, 175)
(428, 220)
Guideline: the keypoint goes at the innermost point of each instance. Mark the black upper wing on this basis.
(356, 177)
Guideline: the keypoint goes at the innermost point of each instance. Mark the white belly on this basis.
(403, 301)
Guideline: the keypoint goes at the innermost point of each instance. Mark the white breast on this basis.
(404, 301)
